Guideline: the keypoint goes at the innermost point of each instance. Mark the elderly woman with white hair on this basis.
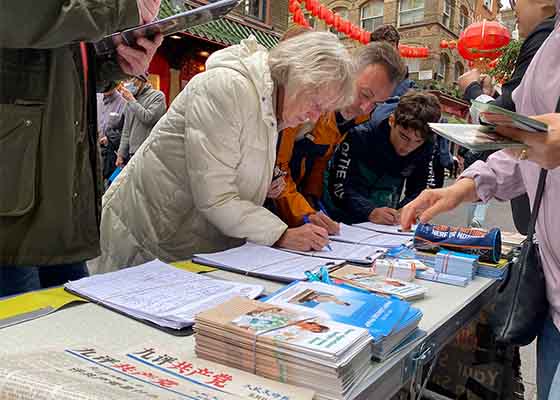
(199, 182)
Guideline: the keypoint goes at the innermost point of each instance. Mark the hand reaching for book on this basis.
(148, 10)
(542, 149)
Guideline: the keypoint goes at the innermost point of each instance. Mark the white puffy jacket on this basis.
(198, 183)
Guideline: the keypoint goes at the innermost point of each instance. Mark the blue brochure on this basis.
(382, 316)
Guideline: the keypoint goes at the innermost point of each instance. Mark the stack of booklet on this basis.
(388, 320)
(302, 349)
(359, 235)
(266, 262)
(454, 263)
(159, 293)
(481, 268)
(369, 280)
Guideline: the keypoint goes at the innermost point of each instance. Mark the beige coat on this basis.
(199, 181)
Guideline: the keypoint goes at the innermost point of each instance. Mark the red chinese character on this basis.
(149, 375)
(182, 366)
(127, 368)
(219, 380)
(166, 383)
(202, 371)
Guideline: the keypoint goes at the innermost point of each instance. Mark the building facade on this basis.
(183, 55)
(420, 23)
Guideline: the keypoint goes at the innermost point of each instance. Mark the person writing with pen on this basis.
(380, 158)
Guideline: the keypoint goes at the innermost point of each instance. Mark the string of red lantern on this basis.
(344, 26)
(331, 18)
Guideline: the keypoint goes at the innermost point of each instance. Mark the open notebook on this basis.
(265, 262)
(351, 252)
(358, 235)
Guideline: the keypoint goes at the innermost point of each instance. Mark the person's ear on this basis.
(392, 120)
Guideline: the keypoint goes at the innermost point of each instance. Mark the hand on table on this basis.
(323, 220)
(304, 238)
(384, 216)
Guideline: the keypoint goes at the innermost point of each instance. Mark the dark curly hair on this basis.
(386, 33)
(416, 110)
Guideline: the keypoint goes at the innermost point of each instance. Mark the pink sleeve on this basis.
(499, 177)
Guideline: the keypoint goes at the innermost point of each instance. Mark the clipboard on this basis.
(167, 26)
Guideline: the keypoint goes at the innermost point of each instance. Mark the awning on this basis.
(226, 31)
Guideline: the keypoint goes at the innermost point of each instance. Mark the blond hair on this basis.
(312, 61)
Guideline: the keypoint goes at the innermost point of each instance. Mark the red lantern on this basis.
(443, 44)
(322, 12)
(309, 4)
(293, 6)
(336, 23)
(329, 18)
(367, 37)
(354, 32)
(483, 40)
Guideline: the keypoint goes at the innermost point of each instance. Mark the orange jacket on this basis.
(304, 161)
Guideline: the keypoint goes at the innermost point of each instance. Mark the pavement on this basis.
(499, 215)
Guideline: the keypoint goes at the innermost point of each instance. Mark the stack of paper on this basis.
(356, 253)
(394, 268)
(405, 331)
(384, 318)
(159, 293)
(358, 235)
(455, 263)
(265, 262)
(390, 229)
(492, 271)
(432, 275)
(296, 348)
(366, 279)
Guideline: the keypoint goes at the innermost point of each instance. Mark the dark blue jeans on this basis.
(548, 358)
(21, 279)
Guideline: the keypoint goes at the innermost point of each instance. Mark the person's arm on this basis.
(214, 117)
(125, 137)
(499, 177)
(291, 205)
(152, 111)
(48, 24)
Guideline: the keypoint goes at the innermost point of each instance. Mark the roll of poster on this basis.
(487, 244)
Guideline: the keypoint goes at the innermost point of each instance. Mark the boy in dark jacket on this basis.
(377, 159)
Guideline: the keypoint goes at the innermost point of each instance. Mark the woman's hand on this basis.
(543, 149)
(432, 202)
(304, 238)
(324, 221)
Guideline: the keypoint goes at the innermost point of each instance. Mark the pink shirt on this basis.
(503, 177)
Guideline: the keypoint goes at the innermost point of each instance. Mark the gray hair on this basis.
(381, 53)
(314, 60)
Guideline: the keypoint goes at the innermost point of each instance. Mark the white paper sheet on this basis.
(358, 253)
(358, 235)
(391, 229)
(160, 293)
(266, 262)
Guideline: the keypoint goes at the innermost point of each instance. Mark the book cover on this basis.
(379, 315)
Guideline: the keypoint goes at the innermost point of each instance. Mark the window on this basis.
(443, 68)
(459, 70)
(343, 12)
(487, 4)
(447, 13)
(256, 9)
(463, 19)
(411, 12)
(371, 15)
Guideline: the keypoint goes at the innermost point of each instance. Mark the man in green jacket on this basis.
(50, 180)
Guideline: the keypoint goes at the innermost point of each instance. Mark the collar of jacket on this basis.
(546, 25)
